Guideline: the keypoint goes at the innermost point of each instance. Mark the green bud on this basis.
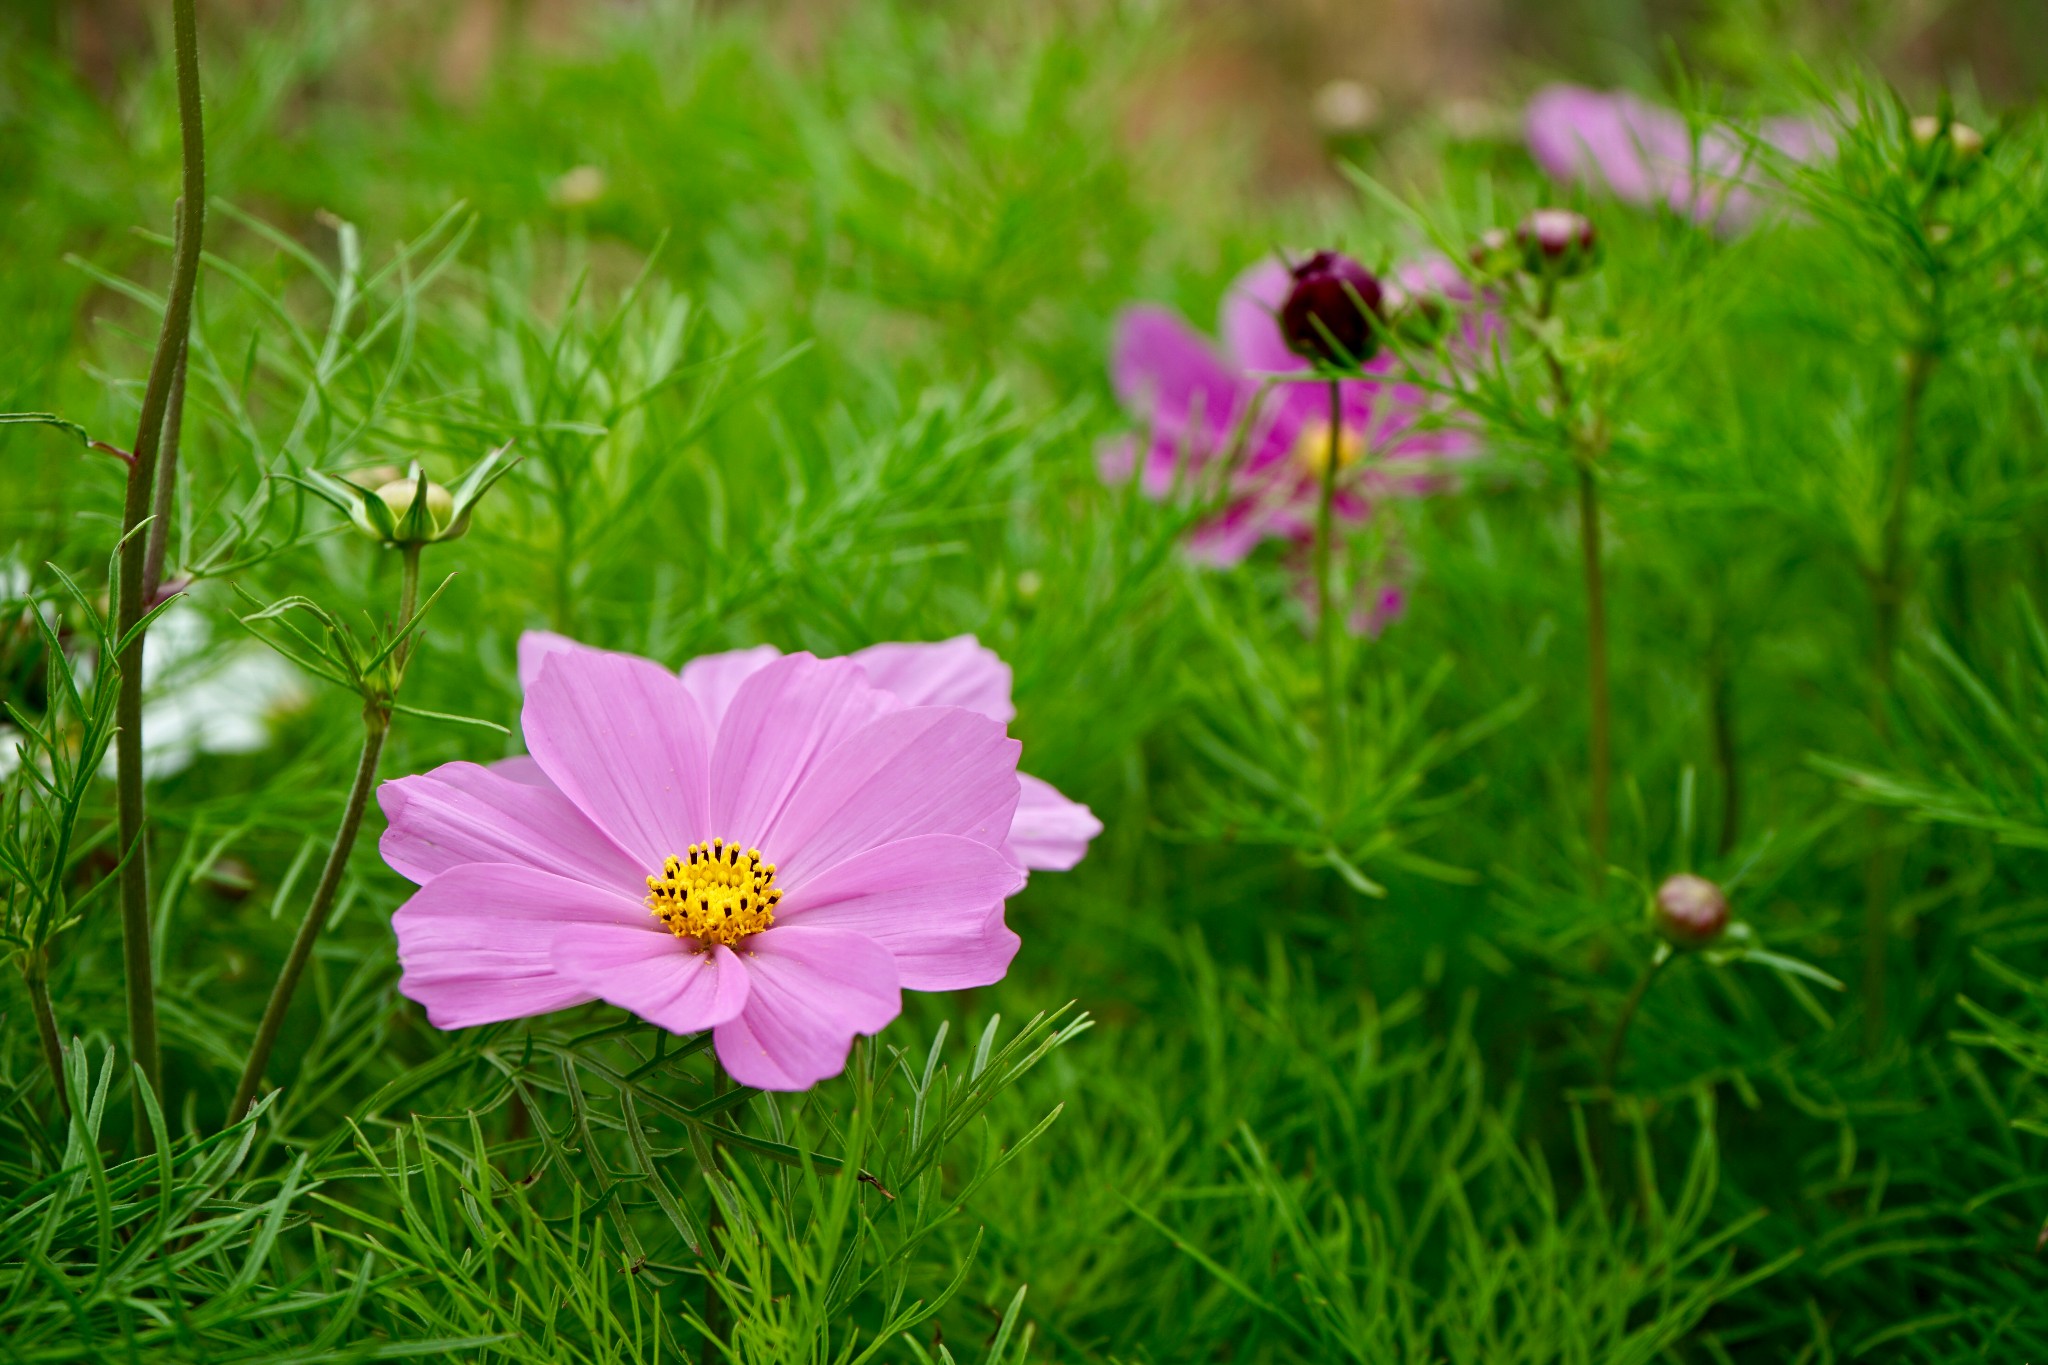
(411, 510)
(1944, 148)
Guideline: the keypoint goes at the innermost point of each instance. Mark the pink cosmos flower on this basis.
(1050, 833)
(1647, 155)
(1193, 400)
(773, 857)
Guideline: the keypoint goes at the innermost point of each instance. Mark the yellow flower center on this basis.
(717, 894)
(1312, 447)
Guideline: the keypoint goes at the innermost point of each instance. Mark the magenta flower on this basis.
(1646, 155)
(773, 857)
(1171, 378)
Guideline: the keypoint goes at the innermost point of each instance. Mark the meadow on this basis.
(1685, 516)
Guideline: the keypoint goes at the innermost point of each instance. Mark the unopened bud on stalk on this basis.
(1557, 242)
(1965, 143)
(420, 513)
(1333, 312)
(1495, 255)
(409, 510)
(1689, 911)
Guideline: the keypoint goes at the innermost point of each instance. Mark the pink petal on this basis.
(1251, 329)
(935, 902)
(782, 721)
(1582, 136)
(535, 645)
(956, 672)
(622, 739)
(521, 768)
(713, 678)
(921, 770)
(660, 977)
(1050, 833)
(476, 943)
(1165, 372)
(461, 813)
(1117, 460)
(809, 992)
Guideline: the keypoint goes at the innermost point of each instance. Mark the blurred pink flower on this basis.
(773, 857)
(1648, 155)
(1192, 400)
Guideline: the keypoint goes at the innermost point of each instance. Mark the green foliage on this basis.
(799, 337)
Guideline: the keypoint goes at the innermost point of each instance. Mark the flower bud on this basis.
(417, 518)
(1495, 255)
(1689, 911)
(1965, 144)
(1557, 242)
(372, 477)
(408, 509)
(1333, 312)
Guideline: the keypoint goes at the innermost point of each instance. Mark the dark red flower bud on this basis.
(1334, 311)
(1557, 242)
(1690, 911)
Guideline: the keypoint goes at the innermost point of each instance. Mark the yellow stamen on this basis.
(717, 894)
(1312, 447)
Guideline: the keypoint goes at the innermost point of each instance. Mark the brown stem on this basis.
(35, 976)
(137, 959)
(166, 482)
(376, 724)
(1610, 1064)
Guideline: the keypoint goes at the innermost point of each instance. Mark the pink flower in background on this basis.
(773, 857)
(1192, 401)
(1647, 155)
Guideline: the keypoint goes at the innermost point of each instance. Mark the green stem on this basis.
(1889, 587)
(1585, 448)
(408, 603)
(376, 724)
(35, 976)
(166, 482)
(1610, 1065)
(1327, 624)
(714, 1306)
(1727, 754)
(1599, 746)
(137, 959)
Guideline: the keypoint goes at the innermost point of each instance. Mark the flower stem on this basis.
(1610, 1065)
(376, 726)
(1334, 738)
(714, 1306)
(35, 976)
(1727, 753)
(1585, 447)
(139, 504)
(1888, 589)
(1599, 746)
(166, 482)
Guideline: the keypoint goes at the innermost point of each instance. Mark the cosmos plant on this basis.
(769, 847)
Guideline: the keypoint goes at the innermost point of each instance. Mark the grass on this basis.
(822, 362)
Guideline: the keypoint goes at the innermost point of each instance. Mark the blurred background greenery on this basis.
(837, 281)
